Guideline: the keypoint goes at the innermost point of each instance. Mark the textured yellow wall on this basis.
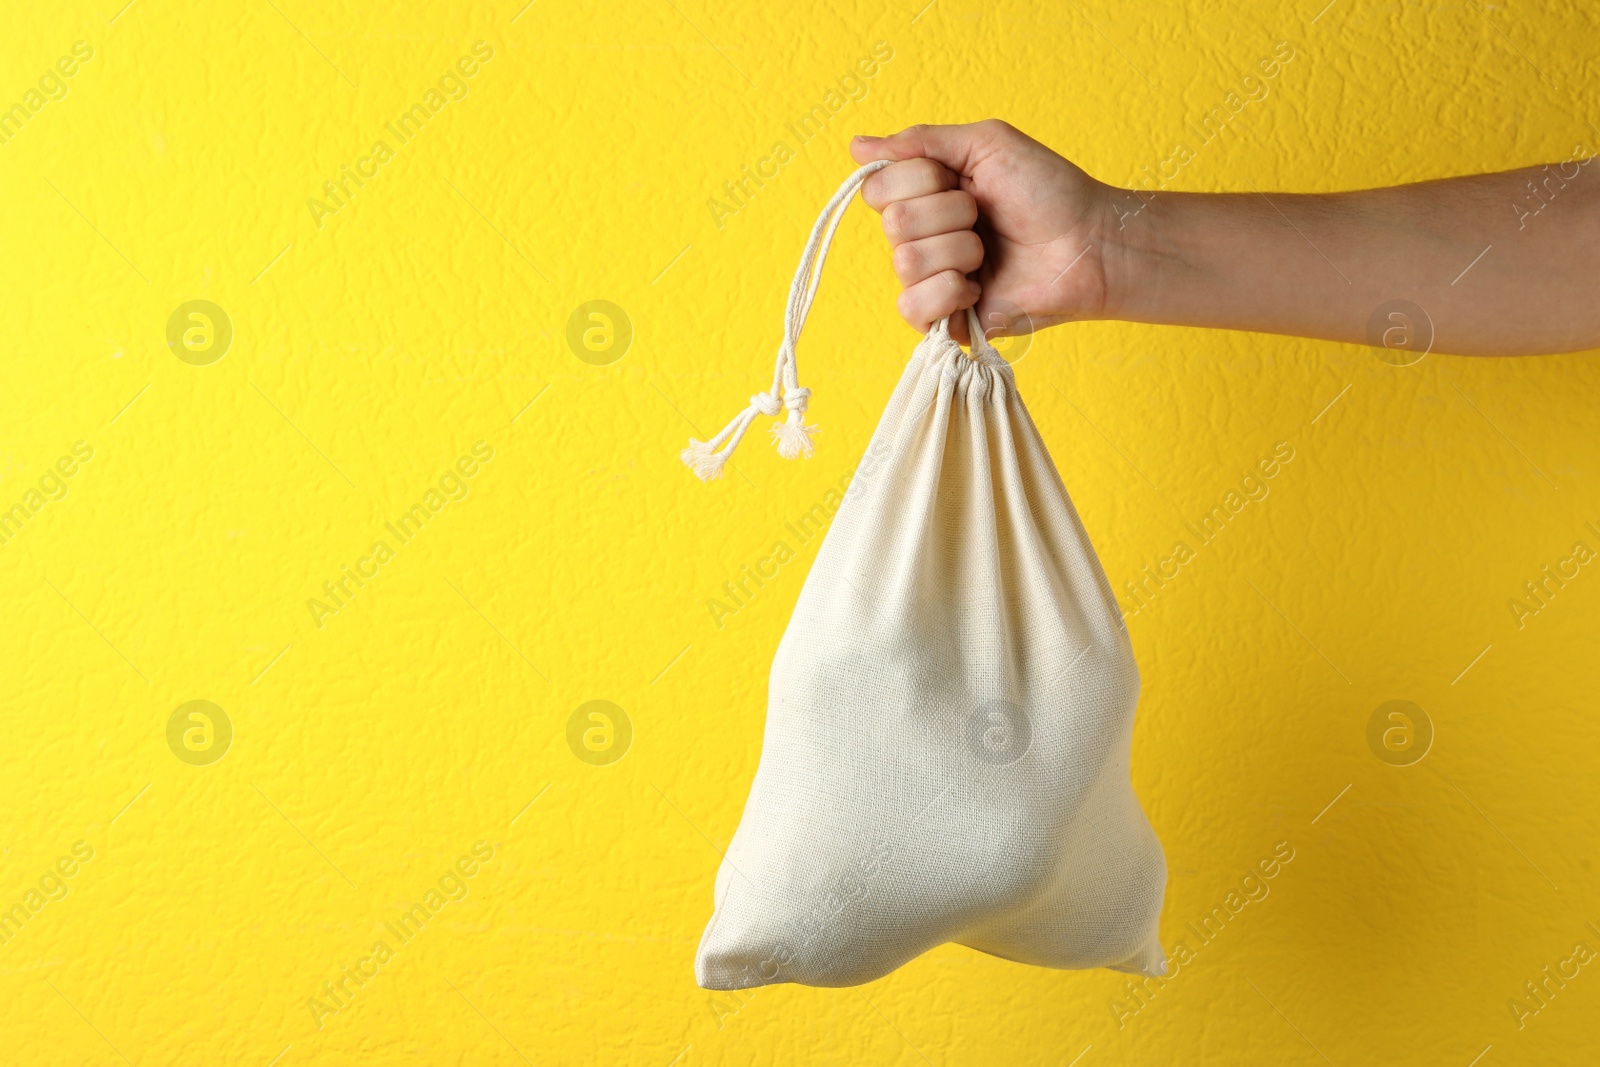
(412, 741)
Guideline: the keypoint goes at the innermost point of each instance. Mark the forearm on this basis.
(1323, 265)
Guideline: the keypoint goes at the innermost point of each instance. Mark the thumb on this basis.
(958, 147)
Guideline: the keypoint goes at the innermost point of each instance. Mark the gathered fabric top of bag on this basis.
(793, 434)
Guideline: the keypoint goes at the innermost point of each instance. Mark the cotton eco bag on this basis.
(951, 707)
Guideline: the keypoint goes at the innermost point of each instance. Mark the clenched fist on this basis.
(987, 201)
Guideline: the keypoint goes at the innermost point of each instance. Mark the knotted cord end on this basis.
(705, 461)
(793, 437)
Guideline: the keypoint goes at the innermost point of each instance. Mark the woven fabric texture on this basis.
(950, 715)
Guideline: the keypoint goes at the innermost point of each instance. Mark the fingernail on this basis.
(864, 137)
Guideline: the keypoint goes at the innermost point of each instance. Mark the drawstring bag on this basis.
(951, 707)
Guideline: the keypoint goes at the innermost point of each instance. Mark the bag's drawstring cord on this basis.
(792, 435)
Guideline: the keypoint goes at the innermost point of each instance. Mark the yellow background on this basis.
(370, 753)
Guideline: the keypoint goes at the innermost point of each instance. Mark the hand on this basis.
(987, 198)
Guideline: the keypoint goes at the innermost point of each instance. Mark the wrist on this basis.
(1134, 241)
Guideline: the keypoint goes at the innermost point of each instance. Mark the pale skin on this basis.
(981, 214)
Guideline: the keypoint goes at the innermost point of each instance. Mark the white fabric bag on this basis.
(951, 707)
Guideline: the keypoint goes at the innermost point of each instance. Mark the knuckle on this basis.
(894, 219)
(872, 191)
(906, 305)
(907, 260)
(926, 173)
